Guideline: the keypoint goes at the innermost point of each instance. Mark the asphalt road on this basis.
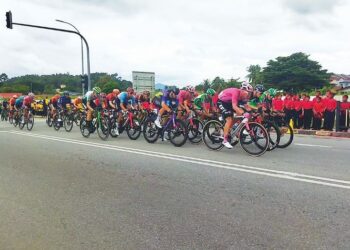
(59, 190)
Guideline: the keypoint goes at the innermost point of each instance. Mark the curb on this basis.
(322, 133)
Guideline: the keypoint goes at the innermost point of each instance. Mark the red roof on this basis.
(9, 95)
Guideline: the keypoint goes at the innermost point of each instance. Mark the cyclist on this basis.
(156, 103)
(185, 98)
(27, 103)
(124, 101)
(78, 103)
(53, 105)
(229, 102)
(12, 104)
(88, 101)
(65, 101)
(169, 103)
(143, 100)
(204, 104)
(111, 99)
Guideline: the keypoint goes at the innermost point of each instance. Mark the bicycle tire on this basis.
(254, 133)
(284, 131)
(135, 131)
(21, 122)
(68, 123)
(213, 139)
(271, 128)
(150, 131)
(103, 128)
(176, 132)
(195, 131)
(84, 130)
(30, 122)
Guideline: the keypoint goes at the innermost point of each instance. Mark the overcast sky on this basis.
(183, 41)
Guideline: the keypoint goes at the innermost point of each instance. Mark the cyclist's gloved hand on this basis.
(246, 115)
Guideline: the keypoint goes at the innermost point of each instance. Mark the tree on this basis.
(295, 73)
(3, 77)
(255, 74)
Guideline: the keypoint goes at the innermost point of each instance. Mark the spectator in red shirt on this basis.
(307, 111)
(288, 107)
(317, 94)
(277, 103)
(297, 118)
(344, 112)
(318, 111)
(329, 115)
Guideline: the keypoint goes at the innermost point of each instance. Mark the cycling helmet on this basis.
(175, 90)
(272, 92)
(247, 87)
(190, 89)
(210, 92)
(31, 95)
(130, 90)
(15, 96)
(260, 88)
(79, 97)
(66, 93)
(97, 90)
(116, 91)
(103, 95)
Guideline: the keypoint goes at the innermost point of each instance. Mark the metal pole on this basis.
(82, 49)
(68, 31)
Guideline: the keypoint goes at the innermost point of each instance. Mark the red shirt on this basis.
(330, 104)
(307, 104)
(12, 101)
(277, 104)
(318, 107)
(288, 103)
(297, 105)
(344, 106)
(184, 96)
(111, 97)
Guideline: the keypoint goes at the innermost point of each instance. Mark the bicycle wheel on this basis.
(113, 128)
(21, 122)
(255, 140)
(30, 121)
(134, 131)
(49, 119)
(195, 131)
(178, 133)
(11, 118)
(56, 123)
(103, 128)
(286, 134)
(274, 134)
(68, 122)
(150, 131)
(213, 135)
(84, 130)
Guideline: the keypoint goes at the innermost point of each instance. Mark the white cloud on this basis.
(182, 41)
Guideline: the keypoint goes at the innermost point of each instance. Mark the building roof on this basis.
(9, 95)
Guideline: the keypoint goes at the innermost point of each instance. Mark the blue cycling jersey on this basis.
(19, 101)
(124, 99)
(170, 102)
(64, 100)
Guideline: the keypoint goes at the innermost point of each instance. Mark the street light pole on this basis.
(82, 48)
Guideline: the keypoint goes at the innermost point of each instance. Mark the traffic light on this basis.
(9, 20)
(84, 82)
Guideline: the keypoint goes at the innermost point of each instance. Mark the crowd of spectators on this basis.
(316, 114)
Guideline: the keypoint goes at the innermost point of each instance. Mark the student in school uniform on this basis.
(318, 111)
(344, 108)
(307, 111)
(288, 107)
(277, 103)
(297, 114)
(330, 105)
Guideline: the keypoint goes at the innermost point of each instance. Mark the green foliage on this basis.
(48, 84)
(255, 74)
(295, 73)
(218, 84)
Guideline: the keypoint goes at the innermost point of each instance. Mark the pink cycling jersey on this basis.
(184, 96)
(230, 95)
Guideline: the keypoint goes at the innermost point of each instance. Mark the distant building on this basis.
(342, 81)
(143, 81)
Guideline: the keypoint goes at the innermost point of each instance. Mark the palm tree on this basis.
(254, 75)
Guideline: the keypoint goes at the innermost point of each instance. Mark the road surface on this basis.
(59, 190)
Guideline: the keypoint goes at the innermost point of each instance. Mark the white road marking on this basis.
(311, 145)
(223, 165)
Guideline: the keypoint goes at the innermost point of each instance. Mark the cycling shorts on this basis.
(225, 108)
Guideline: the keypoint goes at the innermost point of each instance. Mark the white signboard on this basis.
(143, 81)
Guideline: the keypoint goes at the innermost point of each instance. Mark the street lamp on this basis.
(82, 48)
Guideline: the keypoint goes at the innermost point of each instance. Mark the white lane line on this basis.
(216, 164)
(311, 145)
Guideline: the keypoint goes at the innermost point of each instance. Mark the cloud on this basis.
(182, 41)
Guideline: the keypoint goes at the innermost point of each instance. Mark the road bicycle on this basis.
(252, 136)
(26, 118)
(4, 114)
(99, 123)
(173, 129)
